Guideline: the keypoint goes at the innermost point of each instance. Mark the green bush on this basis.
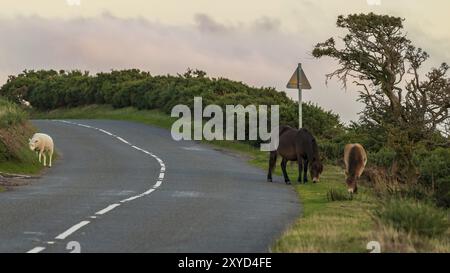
(434, 167)
(331, 150)
(413, 217)
(10, 114)
(442, 193)
(382, 158)
(433, 164)
(50, 89)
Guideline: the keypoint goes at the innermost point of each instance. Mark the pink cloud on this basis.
(258, 53)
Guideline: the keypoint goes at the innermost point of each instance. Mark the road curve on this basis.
(205, 201)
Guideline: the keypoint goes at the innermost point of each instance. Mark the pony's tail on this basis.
(352, 162)
(272, 160)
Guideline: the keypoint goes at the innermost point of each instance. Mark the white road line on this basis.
(157, 184)
(123, 140)
(130, 199)
(36, 249)
(106, 132)
(71, 230)
(149, 191)
(108, 208)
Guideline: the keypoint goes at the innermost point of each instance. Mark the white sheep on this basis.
(42, 143)
(25, 103)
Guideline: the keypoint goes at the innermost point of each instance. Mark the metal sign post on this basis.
(299, 81)
(300, 116)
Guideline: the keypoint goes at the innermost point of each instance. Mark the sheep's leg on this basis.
(40, 155)
(51, 156)
(45, 159)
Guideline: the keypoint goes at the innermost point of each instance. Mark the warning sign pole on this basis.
(300, 116)
(299, 81)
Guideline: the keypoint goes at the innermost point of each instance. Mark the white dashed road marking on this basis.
(36, 249)
(71, 230)
(111, 207)
(108, 208)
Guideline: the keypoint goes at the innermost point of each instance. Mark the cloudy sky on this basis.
(255, 41)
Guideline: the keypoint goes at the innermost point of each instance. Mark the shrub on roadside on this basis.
(413, 217)
(50, 89)
(434, 167)
(382, 158)
(10, 114)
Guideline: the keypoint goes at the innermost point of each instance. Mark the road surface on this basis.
(130, 188)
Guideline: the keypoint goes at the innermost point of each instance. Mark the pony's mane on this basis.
(284, 128)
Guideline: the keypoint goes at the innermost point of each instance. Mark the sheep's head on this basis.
(33, 143)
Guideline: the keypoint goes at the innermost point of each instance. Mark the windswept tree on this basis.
(408, 105)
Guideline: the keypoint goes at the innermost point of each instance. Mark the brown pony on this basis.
(355, 159)
(300, 146)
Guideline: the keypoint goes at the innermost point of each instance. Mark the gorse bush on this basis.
(382, 158)
(413, 217)
(52, 89)
(434, 167)
(10, 114)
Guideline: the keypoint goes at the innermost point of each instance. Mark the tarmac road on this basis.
(130, 188)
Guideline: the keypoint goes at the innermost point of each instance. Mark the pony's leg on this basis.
(283, 168)
(305, 171)
(300, 169)
(272, 162)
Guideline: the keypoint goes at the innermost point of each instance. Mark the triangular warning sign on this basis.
(293, 82)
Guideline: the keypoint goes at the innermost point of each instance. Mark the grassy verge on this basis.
(340, 226)
(151, 117)
(15, 157)
(326, 225)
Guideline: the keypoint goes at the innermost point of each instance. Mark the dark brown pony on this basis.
(300, 146)
(355, 159)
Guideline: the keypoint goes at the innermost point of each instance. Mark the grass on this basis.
(330, 222)
(339, 226)
(338, 194)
